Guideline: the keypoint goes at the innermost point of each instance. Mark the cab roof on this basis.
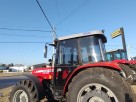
(115, 50)
(91, 33)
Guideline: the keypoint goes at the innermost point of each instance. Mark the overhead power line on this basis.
(35, 30)
(46, 18)
(73, 12)
(22, 42)
(25, 30)
(33, 36)
(66, 30)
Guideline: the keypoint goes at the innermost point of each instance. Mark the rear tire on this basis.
(100, 85)
(127, 72)
(23, 92)
(134, 66)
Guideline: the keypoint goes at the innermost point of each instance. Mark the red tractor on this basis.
(119, 55)
(128, 66)
(78, 73)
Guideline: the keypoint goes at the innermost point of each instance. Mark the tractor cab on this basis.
(118, 54)
(76, 50)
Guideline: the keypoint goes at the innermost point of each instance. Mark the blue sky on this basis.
(68, 17)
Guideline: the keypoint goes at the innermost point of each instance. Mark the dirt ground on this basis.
(4, 94)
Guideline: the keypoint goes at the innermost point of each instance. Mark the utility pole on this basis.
(124, 42)
(123, 39)
(54, 37)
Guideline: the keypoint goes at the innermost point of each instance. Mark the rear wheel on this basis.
(127, 73)
(99, 85)
(134, 67)
(23, 92)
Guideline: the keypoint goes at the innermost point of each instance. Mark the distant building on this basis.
(3, 67)
(18, 68)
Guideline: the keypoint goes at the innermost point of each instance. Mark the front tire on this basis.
(24, 91)
(99, 85)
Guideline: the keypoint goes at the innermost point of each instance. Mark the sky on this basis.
(18, 17)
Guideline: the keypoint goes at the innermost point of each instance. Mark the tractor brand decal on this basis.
(45, 71)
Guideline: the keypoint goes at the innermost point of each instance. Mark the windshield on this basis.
(110, 56)
(120, 55)
(92, 49)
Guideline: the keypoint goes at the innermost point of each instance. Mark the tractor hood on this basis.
(44, 72)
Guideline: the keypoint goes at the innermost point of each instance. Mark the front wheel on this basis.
(99, 85)
(24, 92)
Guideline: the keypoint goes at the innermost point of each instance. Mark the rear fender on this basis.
(121, 61)
(110, 65)
(132, 61)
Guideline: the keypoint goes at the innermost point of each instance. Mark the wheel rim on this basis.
(123, 74)
(94, 99)
(96, 93)
(20, 96)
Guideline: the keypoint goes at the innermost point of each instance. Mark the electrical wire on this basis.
(66, 30)
(25, 36)
(72, 12)
(24, 30)
(32, 30)
(46, 17)
(23, 42)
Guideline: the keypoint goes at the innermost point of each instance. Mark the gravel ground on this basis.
(4, 94)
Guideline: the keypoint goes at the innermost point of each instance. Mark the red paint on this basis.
(132, 61)
(44, 73)
(48, 72)
(110, 65)
(123, 61)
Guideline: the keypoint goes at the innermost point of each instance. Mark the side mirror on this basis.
(45, 51)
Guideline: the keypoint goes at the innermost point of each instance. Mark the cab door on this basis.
(66, 61)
